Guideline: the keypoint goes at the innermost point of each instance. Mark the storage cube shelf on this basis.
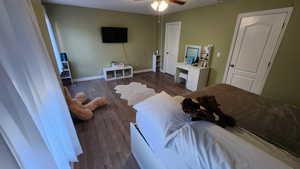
(128, 72)
(66, 75)
(114, 73)
(156, 63)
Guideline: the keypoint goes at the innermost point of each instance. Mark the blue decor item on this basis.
(189, 60)
(63, 57)
(192, 53)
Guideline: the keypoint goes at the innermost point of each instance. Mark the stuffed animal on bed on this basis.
(207, 108)
(79, 109)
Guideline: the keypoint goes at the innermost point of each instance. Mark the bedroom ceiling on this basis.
(133, 6)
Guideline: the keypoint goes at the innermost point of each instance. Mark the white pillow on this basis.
(164, 112)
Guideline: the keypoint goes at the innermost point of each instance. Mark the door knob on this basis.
(167, 52)
(231, 65)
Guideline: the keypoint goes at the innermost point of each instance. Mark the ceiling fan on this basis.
(179, 2)
(161, 5)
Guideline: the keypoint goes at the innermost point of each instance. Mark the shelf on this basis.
(66, 75)
(119, 73)
(127, 72)
(114, 73)
(156, 62)
(110, 74)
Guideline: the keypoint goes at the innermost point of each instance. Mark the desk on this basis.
(196, 76)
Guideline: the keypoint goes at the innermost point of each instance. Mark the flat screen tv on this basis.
(114, 35)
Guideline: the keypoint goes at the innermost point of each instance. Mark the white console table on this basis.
(115, 72)
(195, 76)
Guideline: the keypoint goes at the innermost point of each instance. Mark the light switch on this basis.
(218, 54)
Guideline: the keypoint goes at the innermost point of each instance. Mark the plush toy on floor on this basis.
(81, 110)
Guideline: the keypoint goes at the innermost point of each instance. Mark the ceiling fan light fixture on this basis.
(154, 5)
(159, 5)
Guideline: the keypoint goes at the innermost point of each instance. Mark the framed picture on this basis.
(192, 52)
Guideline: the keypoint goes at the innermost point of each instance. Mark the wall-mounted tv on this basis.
(114, 35)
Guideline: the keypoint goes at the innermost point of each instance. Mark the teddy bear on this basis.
(79, 109)
(207, 108)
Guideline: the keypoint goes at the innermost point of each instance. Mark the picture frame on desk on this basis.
(192, 53)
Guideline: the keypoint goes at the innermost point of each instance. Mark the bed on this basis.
(260, 123)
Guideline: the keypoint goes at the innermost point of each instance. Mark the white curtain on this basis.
(54, 44)
(31, 96)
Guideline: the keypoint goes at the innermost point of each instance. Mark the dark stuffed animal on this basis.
(210, 104)
(195, 111)
(207, 108)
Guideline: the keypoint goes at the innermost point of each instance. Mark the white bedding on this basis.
(202, 145)
(182, 152)
(169, 158)
(165, 114)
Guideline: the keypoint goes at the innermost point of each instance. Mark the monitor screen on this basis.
(114, 35)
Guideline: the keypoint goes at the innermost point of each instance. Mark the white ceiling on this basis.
(133, 6)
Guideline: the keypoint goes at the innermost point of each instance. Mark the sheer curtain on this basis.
(31, 97)
(54, 44)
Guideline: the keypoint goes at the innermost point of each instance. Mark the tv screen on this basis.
(114, 35)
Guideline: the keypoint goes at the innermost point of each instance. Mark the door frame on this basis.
(287, 10)
(164, 49)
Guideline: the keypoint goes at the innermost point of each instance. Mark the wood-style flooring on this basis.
(105, 139)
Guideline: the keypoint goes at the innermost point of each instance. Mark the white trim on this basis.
(88, 78)
(288, 10)
(142, 71)
(164, 58)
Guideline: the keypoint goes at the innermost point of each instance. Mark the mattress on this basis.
(172, 160)
(275, 122)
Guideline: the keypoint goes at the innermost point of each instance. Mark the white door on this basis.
(172, 37)
(256, 41)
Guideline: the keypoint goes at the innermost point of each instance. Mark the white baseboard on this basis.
(142, 71)
(102, 76)
(88, 78)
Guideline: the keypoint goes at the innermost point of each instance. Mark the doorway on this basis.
(256, 40)
(172, 38)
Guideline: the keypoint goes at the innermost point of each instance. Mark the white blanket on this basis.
(206, 146)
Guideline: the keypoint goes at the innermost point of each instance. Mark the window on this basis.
(54, 44)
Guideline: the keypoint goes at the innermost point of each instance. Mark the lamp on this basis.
(159, 5)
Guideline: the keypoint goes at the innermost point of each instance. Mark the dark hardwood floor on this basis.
(106, 139)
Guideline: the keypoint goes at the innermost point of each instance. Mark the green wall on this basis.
(215, 25)
(80, 30)
(81, 38)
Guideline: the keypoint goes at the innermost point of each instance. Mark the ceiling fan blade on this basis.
(179, 2)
